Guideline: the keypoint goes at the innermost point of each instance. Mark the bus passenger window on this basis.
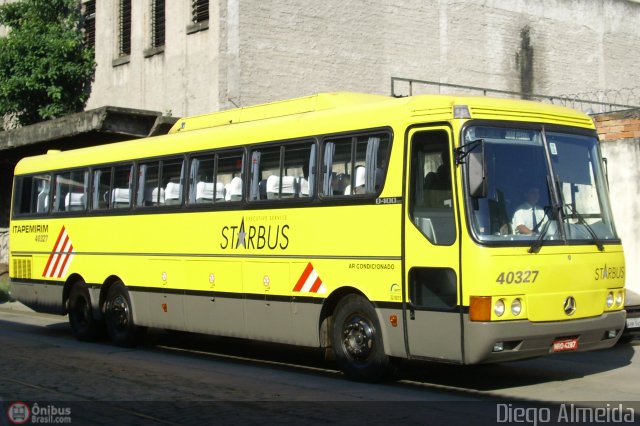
(228, 182)
(216, 178)
(283, 172)
(149, 192)
(101, 188)
(431, 202)
(121, 189)
(171, 184)
(354, 165)
(32, 194)
(71, 191)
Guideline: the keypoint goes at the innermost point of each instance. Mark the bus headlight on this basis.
(498, 308)
(619, 298)
(516, 307)
(610, 299)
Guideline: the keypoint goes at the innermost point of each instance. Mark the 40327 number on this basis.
(517, 277)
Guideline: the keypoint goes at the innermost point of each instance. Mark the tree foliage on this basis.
(45, 68)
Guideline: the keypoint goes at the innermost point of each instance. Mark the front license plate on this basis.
(633, 322)
(565, 345)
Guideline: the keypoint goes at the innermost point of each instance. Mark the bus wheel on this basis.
(84, 326)
(119, 317)
(357, 340)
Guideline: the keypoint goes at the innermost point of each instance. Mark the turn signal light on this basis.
(480, 308)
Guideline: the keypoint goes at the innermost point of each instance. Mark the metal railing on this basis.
(631, 97)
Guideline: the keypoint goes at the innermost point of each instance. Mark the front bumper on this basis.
(525, 339)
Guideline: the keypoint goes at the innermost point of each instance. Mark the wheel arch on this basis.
(328, 310)
(104, 289)
(66, 290)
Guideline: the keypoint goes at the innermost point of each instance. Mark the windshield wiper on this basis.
(537, 244)
(596, 240)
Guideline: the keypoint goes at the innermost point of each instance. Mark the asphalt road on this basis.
(179, 378)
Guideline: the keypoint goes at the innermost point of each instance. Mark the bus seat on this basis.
(221, 191)
(154, 196)
(289, 187)
(172, 193)
(262, 190)
(204, 192)
(43, 201)
(120, 197)
(361, 173)
(74, 202)
(235, 189)
(273, 182)
(303, 184)
(340, 183)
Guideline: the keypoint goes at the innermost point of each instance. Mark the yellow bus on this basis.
(457, 229)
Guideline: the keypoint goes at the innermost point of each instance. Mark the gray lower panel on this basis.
(276, 321)
(45, 298)
(525, 339)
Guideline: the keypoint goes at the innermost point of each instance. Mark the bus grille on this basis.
(21, 267)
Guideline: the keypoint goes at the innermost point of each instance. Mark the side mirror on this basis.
(477, 172)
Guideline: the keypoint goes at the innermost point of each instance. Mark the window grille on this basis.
(157, 23)
(199, 10)
(125, 27)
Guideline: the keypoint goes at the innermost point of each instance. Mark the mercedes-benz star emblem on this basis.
(569, 306)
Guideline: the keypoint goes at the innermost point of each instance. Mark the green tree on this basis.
(46, 69)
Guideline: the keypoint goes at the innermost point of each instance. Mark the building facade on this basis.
(190, 57)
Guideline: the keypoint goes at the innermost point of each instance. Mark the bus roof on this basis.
(267, 121)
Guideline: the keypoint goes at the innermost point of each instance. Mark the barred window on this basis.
(157, 23)
(89, 23)
(125, 28)
(199, 11)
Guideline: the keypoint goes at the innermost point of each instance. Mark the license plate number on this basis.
(633, 322)
(565, 345)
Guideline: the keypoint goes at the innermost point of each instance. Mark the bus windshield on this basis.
(523, 177)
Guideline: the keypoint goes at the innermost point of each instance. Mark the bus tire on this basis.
(357, 340)
(84, 326)
(118, 316)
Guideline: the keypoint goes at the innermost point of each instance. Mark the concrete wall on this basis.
(4, 245)
(620, 143)
(180, 80)
(257, 51)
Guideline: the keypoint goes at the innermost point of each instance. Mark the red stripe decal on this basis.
(46, 268)
(316, 285)
(303, 277)
(55, 265)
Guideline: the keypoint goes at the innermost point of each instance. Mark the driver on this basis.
(529, 217)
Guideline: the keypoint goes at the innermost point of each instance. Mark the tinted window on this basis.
(71, 190)
(354, 165)
(216, 178)
(32, 194)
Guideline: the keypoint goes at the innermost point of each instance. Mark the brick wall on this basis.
(618, 125)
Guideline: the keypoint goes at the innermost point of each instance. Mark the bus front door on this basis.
(431, 248)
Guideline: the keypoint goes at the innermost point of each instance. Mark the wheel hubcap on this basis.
(357, 337)
(120, 312)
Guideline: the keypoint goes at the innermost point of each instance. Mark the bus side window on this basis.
(171, 185)
(283, 172)
(228, 181)
(32, 194)
(101, 188)
(431, 203)
(216, 178)
(354, 165)
(71, 190)
(149, 192)
(121, 187)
